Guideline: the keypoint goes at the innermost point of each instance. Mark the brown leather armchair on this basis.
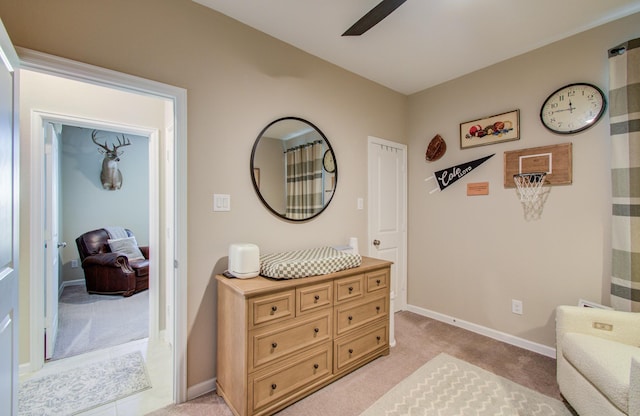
(111, 273)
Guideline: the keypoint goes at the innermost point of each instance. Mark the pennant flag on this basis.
(448, 176)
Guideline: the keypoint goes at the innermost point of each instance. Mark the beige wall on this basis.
(238, 80)
(469, 256)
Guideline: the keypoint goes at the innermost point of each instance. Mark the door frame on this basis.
(38, 184)
(397, 299)
(177, 156)
(9, 271)
(50, 140)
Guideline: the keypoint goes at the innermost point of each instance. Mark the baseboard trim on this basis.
(77, 282)
(201, 388)
(488, 332)
(67, 283)
(24, 368)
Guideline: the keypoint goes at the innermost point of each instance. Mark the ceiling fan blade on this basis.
(375, 15)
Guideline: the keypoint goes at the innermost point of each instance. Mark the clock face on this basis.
(329, 162)
(573, 108)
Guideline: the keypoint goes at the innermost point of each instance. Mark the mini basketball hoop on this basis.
(530, 189)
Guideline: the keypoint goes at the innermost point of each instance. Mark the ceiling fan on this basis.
(375, 15)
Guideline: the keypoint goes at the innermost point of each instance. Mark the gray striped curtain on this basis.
(624, 112)
(304, 181)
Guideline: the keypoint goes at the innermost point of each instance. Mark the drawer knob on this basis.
(274, 308)
(274, 344)
(350, 350)
(316, 366)
(378, 338)
(378, 282)
(274, 386)
(316, 330)
(316, 298)
(378, 308)
(350, 318)
(350, 289)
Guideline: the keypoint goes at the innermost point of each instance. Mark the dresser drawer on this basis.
(269, 344)
(378, 280)
(272, 308)
(354, 315)
(286, 380)
(349, 288)
(349, 350)
(312, 298)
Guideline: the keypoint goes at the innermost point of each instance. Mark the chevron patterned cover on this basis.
(305, 263)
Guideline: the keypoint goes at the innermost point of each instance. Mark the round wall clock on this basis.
(328, 161)
(573, 108)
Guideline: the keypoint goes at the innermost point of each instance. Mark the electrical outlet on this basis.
(516, 306)
(74, 263)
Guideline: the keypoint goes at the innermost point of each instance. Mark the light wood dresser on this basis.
(281, 340)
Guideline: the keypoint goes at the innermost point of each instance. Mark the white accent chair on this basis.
(598, 360)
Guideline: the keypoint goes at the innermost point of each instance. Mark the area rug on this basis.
(447, 386)
(80, 389)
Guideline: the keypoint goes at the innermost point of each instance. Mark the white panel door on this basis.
(387, 214)
(52, 243)
(8, 228)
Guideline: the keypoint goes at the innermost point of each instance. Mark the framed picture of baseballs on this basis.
(490, 130)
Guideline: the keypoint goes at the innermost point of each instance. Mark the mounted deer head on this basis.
(110, 177)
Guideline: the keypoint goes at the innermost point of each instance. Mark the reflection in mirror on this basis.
(293, 169)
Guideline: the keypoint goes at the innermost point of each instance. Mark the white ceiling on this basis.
(424, 42)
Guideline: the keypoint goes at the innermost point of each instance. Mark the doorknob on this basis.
(62, 245)
(376, 243)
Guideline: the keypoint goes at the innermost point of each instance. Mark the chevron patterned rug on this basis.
(446, 386)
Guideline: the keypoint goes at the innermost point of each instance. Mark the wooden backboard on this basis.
(555, 160)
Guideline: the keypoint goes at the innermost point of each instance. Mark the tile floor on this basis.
(157, 357)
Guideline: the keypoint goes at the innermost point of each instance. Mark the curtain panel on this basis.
(624, 114)
(304, 181)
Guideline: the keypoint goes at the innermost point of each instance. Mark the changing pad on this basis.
(304, 263)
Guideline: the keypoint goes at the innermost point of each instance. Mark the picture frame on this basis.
(494, 129)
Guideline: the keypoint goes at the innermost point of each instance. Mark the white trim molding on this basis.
(488, 332)
(202, 388)
(65, 68)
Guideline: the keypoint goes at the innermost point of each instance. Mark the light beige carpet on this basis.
(447, 386)
(419, 340)
(89, 322)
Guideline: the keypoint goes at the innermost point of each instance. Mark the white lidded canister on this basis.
(244, 260)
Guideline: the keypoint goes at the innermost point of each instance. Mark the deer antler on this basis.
(121, 142)
(103, 146)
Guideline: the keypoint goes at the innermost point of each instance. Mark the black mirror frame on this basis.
(257, 188)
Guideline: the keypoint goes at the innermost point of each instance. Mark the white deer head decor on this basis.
(110, 177)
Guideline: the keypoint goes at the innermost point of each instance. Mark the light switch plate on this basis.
(221, 202)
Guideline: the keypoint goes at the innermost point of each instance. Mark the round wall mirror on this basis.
(293, 169)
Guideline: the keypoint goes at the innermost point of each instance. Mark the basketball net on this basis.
(529, 187)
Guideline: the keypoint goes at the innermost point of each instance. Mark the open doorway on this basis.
(95, 315)
(56, 106)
